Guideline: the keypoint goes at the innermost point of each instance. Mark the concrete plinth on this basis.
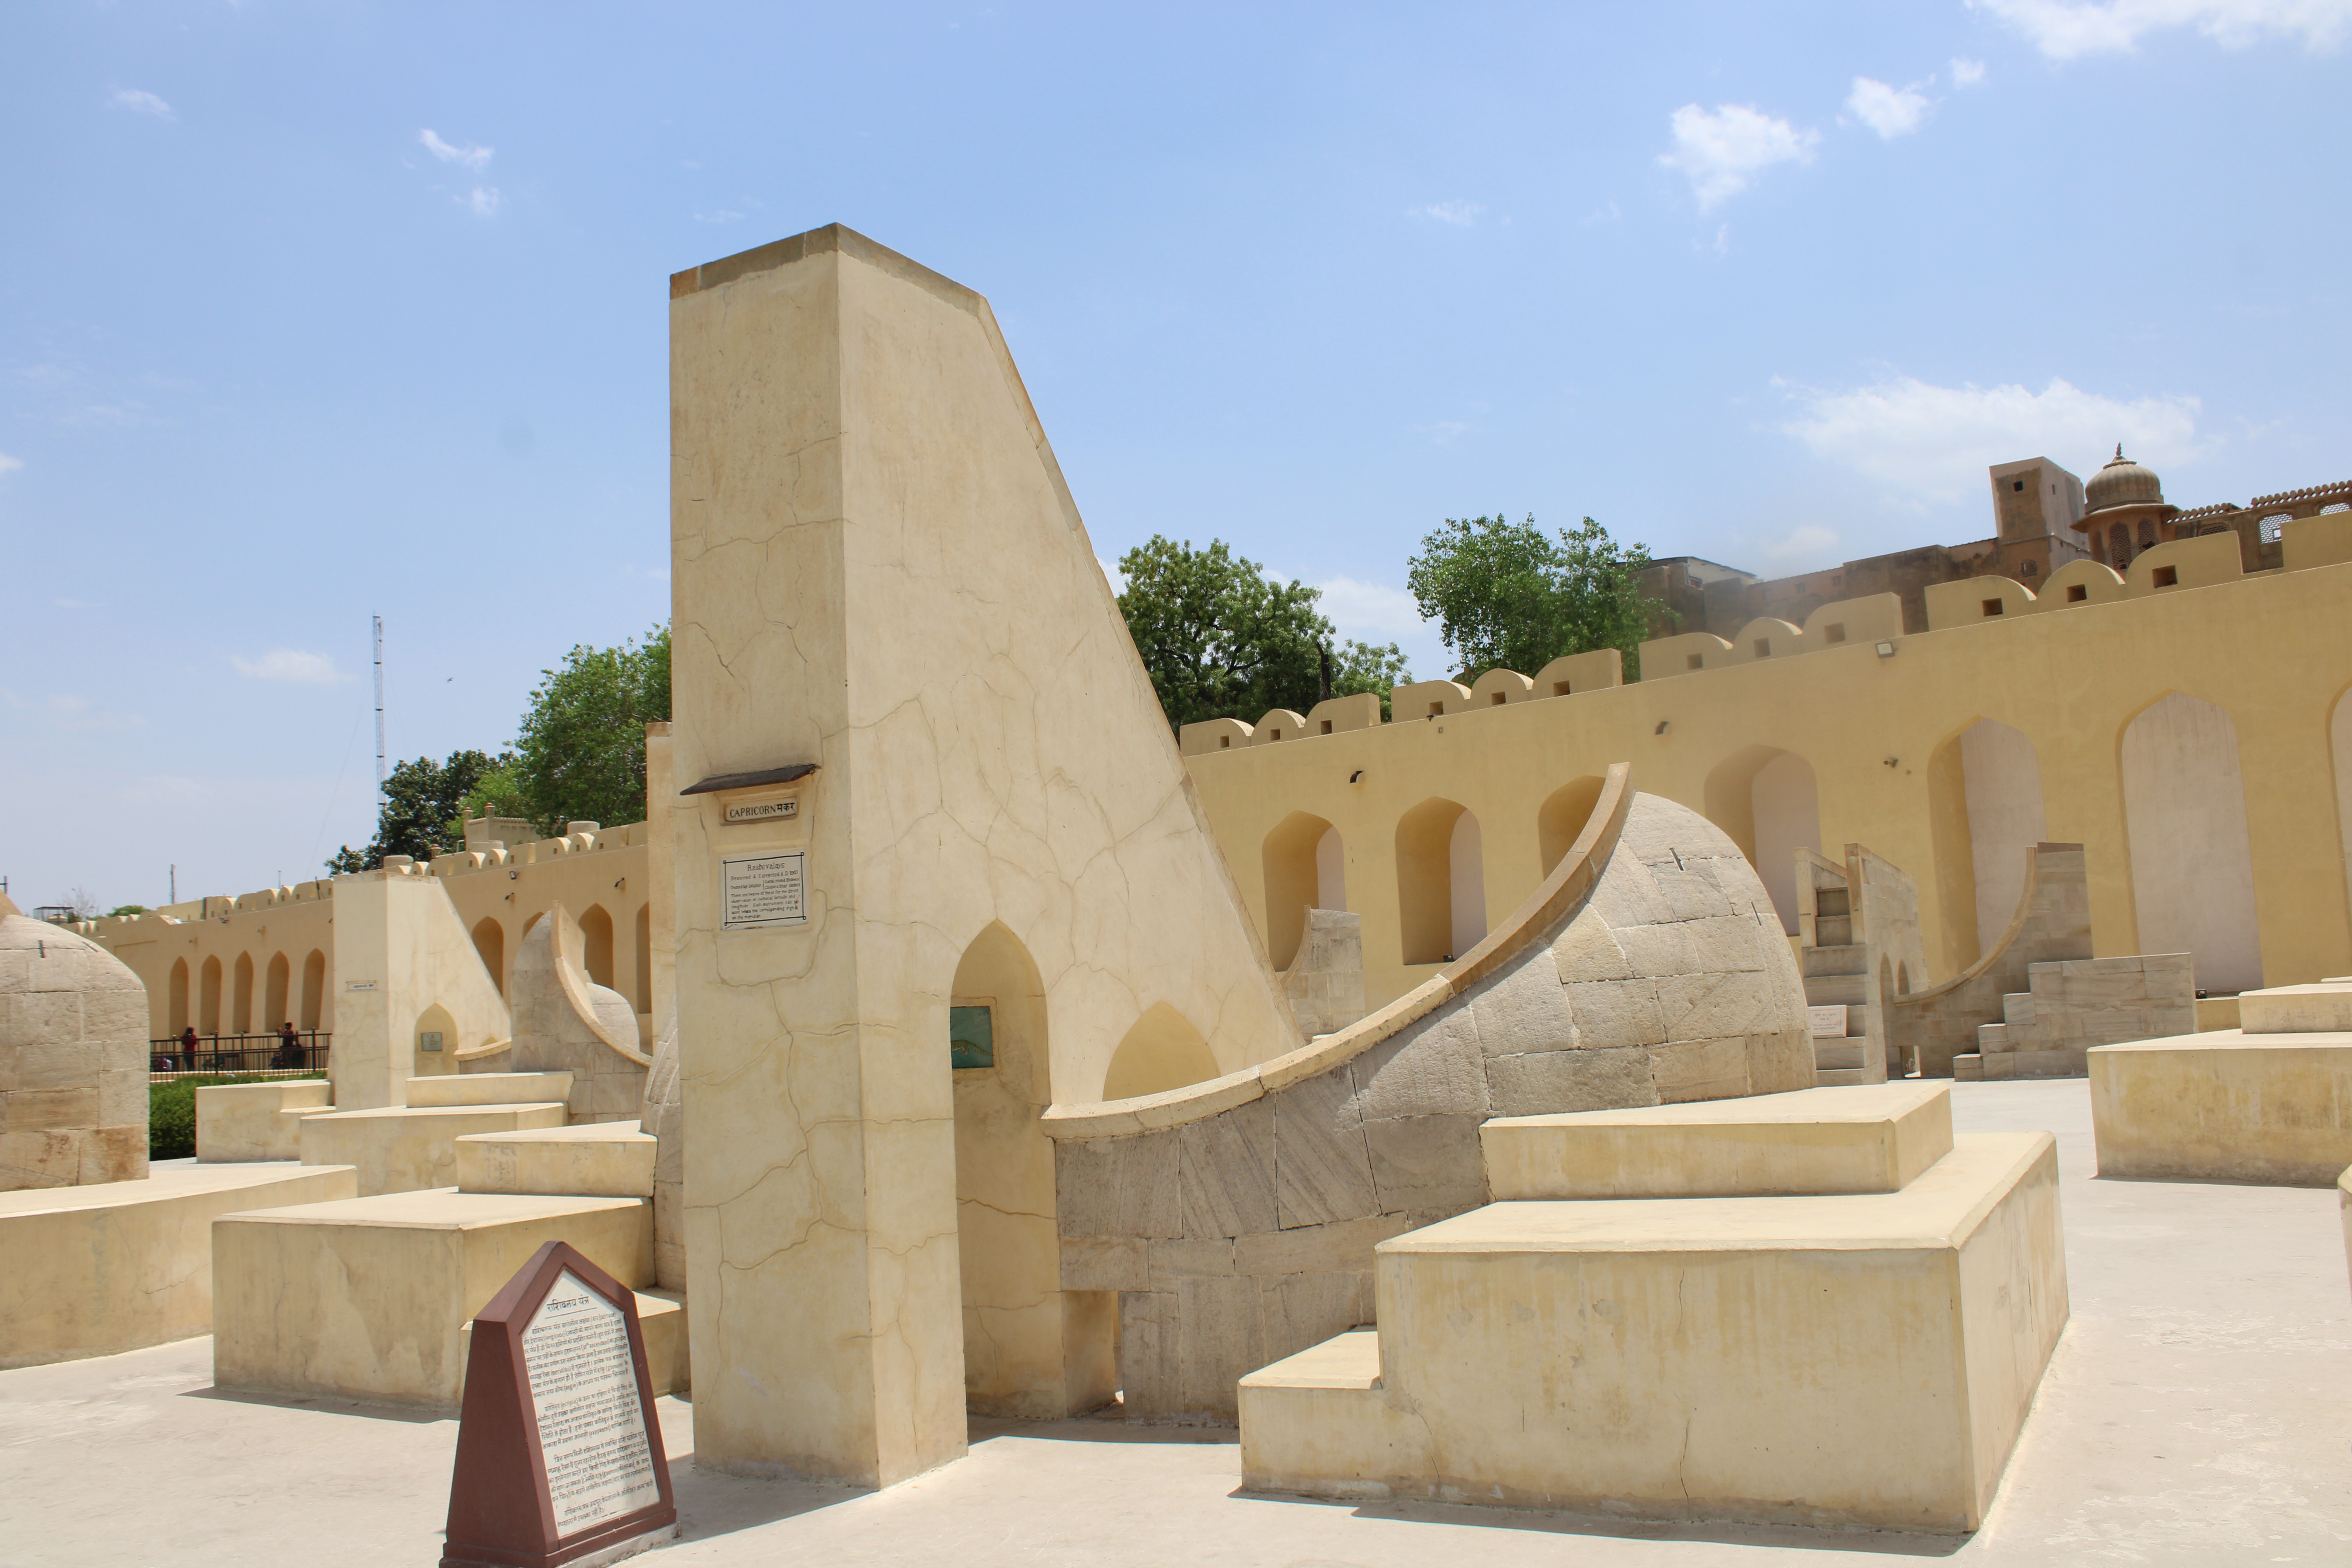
(1864, 1138)
(1856, 1360)
(489, 1088)
(91, 1270)
(240, 1122)
(405, 1150)
(365, 1299)
(2227, 1105)
(602, 1159)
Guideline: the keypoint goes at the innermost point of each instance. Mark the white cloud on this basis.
(1807, 539)
(290, 664)
(1369, 612)
(1891, 111)
(1722, 151)
(71, 712)
(1934, 443)
(1461, 215)
(1967, 72)
(2062, 29)
(9, 465)
(139, 102)
(486, 201)
(473, 158)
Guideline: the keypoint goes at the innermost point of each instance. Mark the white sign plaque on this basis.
(591, 1425)
(763, 811)
(757, 890)
(1827, 1023)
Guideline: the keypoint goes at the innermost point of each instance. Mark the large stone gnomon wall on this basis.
(879, 572)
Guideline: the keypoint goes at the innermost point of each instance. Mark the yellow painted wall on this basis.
(2274, 650)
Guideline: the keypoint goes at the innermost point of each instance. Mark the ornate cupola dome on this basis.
(2123, 483)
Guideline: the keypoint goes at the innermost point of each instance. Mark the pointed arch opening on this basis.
(642, 944)
(2193, 861)
(1441, 881)
(177, 1015)
(275, 989)
(314, 990)
(1562, 817)
(1767, 801)
(241, 998)
(1305, 868)
(2339, 743)
(490, 943)
(208, 999)
(596, 945)
(1032, 1349)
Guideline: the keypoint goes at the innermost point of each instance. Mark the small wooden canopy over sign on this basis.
(718, 783)
(559, 1448)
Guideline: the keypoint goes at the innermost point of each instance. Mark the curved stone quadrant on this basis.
(1236, 1219)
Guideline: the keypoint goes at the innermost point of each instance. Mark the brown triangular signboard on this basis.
(559, 1448)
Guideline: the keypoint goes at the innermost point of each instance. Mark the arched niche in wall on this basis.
(1441, 881)
(314, 991)
(1292, 857)
(1767, 801)
(1562, 817)
(2192, 862)
(642, 944)
(1161, 1052)
(2339, 740)
(596, 945)
(436, 1023)
(208, 998)
(1031, 1350)
(490, 944)
(276, 983)
(1985, 809)
(241, 998)
(176, 1017)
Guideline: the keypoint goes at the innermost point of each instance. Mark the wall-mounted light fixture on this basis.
(1356, 777)
(1886, 651)
(1662, 727)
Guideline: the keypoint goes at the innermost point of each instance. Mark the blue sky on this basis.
(314, 311)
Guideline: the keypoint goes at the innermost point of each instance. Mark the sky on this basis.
(313, 312)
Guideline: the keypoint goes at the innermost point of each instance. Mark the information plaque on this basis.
(558, 1451)
(758, 890)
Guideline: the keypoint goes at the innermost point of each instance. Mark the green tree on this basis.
(581, 754)
(1220, 639)
(422, 810)
(1507, 595)
(120, 910)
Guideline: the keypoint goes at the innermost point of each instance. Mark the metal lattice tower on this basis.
(379, 705)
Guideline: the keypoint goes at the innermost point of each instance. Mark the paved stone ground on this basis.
(2197, 1413)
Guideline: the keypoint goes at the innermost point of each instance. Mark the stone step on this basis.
(366, 1298)
(1833, 931)
(1823, 990)
(597, 1160)
(1844, 959)
(489, 1088)
(1848, 1053)
(1992, 1037)
(2323, 1009)
(1967, 1069)
(2017, 1008)
(1831, 1078)
(405, 1149)
(1872, 1138)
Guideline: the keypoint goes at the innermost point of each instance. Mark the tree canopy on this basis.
(1508, 595)
(580, 753)
(1220, 639)
(422, 810)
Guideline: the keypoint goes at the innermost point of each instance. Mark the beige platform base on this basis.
(2344, 1205)
(598, 1158)
(241, 1123)
(92, 1270)
(365, 1299)
(1865, 1138)
(1861, 1360)
(2226, 1106)
(489, 1088)
(402, 1148)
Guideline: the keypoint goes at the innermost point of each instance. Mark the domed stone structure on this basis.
(73, 1061)
(2123, 483)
